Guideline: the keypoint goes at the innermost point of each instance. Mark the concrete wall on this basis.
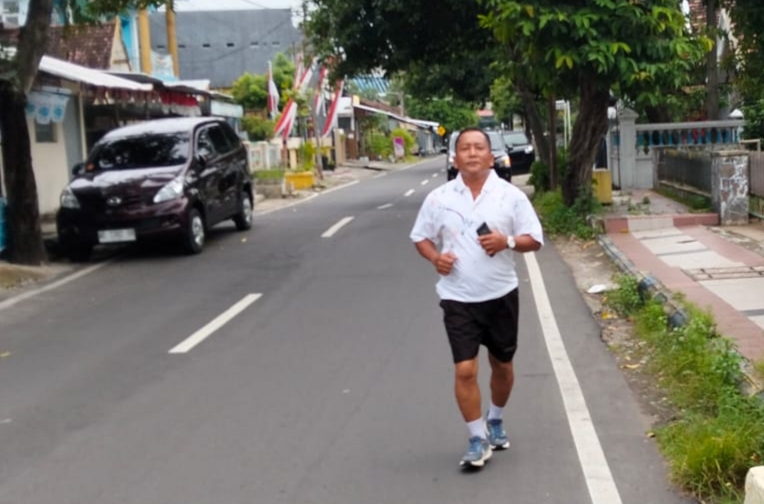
(729, 182)
(49, 161)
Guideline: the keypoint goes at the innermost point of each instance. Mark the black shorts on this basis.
(490, 323)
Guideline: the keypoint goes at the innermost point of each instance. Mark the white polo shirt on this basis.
(450, 217)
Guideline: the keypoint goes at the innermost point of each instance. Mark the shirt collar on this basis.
(490, 183)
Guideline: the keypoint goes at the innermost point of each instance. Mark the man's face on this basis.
(473, 154)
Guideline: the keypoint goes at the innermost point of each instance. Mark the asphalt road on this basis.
(305, 364)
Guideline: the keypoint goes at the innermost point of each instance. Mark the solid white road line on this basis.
(599, 479)
(218, 322)
(343, 186)
(409, 193)
(332, 230)
(32, 293)
(424, 182)
(386, 205)
(380, 175)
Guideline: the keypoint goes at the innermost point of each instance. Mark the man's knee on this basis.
(501, 369)
(467, 371)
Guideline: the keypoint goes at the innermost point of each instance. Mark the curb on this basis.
(650, 287)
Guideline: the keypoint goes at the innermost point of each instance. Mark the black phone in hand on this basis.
(484, 230)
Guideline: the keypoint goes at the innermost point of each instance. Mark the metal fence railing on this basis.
(686, 168)
(756, 174)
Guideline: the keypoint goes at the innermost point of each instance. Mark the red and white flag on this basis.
(273, 94)
(319, 101)
(332, 118)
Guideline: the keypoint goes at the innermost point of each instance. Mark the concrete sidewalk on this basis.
(351, 172)
(715, 268)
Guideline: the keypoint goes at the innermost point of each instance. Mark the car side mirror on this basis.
(78, 168)
(203, 157)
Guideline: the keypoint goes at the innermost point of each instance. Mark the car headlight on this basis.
(529, 149)
(69, 200)
(171, 191)
(506, 161)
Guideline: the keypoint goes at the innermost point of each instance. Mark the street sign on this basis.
(441, 131)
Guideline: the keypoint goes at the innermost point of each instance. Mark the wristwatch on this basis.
(511, 242)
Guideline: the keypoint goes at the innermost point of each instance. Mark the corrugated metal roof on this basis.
(78, 73)
(372, 82)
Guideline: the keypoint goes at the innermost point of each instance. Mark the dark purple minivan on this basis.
(169, 177)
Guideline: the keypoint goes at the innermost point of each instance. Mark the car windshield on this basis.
(497, 142)
(144, 151)
(516, 138)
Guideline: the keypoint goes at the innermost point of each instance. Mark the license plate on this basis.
(116, 236)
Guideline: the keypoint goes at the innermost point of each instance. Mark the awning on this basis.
(190, 87)
(416, 122)
(97, 78)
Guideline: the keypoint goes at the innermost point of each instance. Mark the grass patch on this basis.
(759, 367)
(560, 219)
(694, 202)
(718, 432)
(274, 174)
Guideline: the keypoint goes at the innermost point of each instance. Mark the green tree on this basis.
(442, 49)
(257, 127)
(17, 74)
(251, 90)
(586, 50)
(452, 114)
(748, 61)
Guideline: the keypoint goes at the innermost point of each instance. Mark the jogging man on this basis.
(469, 229)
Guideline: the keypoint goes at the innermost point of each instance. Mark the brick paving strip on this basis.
(719, 275)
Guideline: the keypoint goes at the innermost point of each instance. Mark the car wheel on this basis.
(78, 251)
(243, 219)
(195, 234)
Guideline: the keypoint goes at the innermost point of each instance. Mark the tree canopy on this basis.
(251, 90)
(574, 49)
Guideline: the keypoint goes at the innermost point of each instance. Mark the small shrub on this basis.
(541, 178)
(274, 174)
(625, 299)
(559, 219)
(258, 128)
(409, 142)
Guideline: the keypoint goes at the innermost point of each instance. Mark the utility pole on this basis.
(314, 113)
(172, 38)
(144, 37)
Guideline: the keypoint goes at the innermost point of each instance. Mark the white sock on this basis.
(494, 412)
(477, 428)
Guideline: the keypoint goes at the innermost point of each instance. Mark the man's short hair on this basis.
(467, 130)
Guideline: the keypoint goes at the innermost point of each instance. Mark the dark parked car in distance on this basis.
(520, 151)
(173, 177)
(501, 161)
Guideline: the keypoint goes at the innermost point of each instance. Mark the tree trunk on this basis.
(553, 172)
(535, 122)
(25, 244)
(658, 114)
(588, 130)
(712, 65)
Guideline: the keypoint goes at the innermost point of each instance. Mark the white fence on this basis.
(632, 147)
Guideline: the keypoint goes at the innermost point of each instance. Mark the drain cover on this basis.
(725, 273)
